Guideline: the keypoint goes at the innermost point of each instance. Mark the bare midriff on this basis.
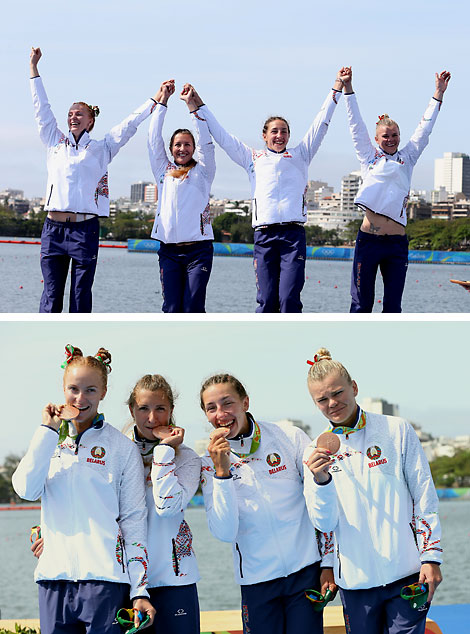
(379, 225)
(68, 216)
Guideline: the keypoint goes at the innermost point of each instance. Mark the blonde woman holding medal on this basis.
(374, 490)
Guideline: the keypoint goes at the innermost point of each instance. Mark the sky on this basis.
(247, 59)
(420, 365)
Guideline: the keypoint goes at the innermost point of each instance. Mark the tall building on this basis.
(138, 191)
(452, 172)
(150, 193)
(312, 188)
(379, 406)
(349, 187)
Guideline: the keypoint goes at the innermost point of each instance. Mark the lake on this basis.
(217, 588)
(129, 283)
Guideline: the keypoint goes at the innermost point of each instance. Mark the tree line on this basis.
(447, 472)
(430, 234)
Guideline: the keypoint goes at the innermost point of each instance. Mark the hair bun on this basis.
(104, 356)
(323, 353)
(71, 353)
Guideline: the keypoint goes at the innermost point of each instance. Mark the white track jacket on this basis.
(381, 504)
(171, 481)
(183, 212)
(278, 181)
(261, 508)
(77, 173)
(387, 177)
(93, 513)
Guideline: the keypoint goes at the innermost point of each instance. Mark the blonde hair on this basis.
(323, 365)
(384, 120)
(100, 362)
(93, 111)
(153, 383)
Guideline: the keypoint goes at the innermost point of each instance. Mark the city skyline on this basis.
(420, 366)
(286, 70)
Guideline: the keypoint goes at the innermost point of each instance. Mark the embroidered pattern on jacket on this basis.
(205, 218)
(144, 561)
(325, 546)
(63, 140)
(102, 188)
(119, 549)
(183, 545)
(426, 535)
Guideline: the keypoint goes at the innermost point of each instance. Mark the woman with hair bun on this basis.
(278, 178)
(77, 193)
(172, 474)
(386, 174)
(182, 224)
(90, 480)
(375, 492)
(252, 481)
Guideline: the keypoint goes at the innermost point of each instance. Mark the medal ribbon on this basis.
(343, 429)
(255, 441)
(64, 428)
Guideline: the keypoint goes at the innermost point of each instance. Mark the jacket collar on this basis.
(83, 140)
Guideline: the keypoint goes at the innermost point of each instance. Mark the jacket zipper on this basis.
(50, 194)
(177, 567)
(240, 559)
(339, 562)
(256, 209)
(121, 546)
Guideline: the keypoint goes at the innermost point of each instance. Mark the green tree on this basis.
(7, 494)
(452, 471)
(351, 229)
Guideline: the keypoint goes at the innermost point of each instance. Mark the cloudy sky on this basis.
(420, 365)
(248, 59)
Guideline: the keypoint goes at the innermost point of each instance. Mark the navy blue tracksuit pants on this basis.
(280, 606)
(177, 610)
(381, 610)
(62, 242)
(279, 253)
(184, 274)
(81, 607)
(390, 253)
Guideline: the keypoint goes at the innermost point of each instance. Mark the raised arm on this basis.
(49, 132)
(120, 134)
(442, 81)
(220, 499)
(420, 137)
(312, 140)
(30, 476)
(156, 146)
(204, 145)
(319, 490)
(174, 481)
(240, 153)
(365, 150)
(34, 58)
